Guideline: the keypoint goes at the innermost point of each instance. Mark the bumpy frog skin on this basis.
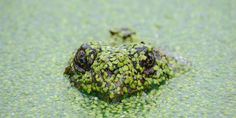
(115, 72)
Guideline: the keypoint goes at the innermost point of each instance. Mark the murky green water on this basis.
(37, 38)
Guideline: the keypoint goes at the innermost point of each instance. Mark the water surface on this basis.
(37, 38)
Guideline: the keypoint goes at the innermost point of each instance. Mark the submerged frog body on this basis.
(115, 72)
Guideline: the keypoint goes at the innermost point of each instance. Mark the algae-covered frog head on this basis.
(114, 72)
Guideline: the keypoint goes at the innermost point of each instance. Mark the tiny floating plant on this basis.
(122, 68)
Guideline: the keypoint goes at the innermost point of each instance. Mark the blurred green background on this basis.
(37, 38)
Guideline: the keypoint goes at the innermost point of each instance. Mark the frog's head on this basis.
(114, 72)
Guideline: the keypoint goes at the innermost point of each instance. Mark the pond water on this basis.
(38, 37)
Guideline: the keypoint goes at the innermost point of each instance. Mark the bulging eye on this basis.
(84, 58)
(81, 56)
(149, 60)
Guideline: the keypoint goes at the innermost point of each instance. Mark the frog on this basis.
(114, 71)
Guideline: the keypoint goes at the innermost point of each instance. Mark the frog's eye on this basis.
(84, 58)
(149, 61)
(147, 57)
(81, 56)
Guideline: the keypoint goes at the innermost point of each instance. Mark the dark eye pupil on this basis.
(82, 60)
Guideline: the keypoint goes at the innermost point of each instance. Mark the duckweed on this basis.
(114, 72)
